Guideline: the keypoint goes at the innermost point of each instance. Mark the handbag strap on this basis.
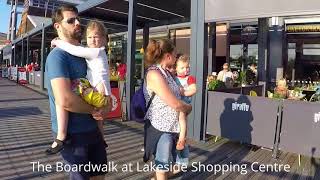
(153, 94)
(150, 101)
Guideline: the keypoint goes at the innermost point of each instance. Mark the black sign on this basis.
(300, 132)
(242, 118)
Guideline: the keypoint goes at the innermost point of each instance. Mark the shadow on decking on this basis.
(225, 153)
(230, 153)
(8, 85)
(26, 99)
(19, 111)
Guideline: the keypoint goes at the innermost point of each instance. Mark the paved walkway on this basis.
(25, 134)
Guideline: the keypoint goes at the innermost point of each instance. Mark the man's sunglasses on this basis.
(72, 20)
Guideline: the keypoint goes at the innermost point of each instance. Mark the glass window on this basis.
(291, 61)
(311, 49)
(235, 56)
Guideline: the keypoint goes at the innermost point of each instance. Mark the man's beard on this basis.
(75, 35)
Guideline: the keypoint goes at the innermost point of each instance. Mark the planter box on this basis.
(242, 118)
(245, 90)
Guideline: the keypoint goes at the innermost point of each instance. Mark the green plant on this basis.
(297, 89)
(278, 96)
(242, 78)
(215, 85)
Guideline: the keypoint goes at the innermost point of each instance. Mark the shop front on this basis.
(280, 42)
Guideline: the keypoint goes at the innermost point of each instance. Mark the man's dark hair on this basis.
(57, 15)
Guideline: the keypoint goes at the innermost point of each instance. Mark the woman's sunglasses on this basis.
(72, 20)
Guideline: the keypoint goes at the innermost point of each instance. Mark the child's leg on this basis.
(101, 89)
(62, 120)
(183, 131)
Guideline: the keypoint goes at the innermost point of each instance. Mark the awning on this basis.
(114, 13)
(38, 20)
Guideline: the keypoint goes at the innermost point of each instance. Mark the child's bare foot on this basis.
(180, 144)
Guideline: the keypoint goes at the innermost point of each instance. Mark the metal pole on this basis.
(10, 22)
(228, 43)
(145, 44)
(263, 30)
(1, 58)
(22, 61)
(278, 131)
(131, 49)
(14, 21)
(43, 57)
(212, 48)
(28, 49)
(275, 51)
(14, 55)
(199, 61)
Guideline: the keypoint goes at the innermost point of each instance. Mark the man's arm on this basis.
(84, 52)
(64, 97)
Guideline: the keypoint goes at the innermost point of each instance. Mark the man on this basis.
(251, 74)
(84, 144)
(226, 76)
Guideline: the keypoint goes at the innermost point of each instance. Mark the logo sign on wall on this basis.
(240, 106)
(316, 117)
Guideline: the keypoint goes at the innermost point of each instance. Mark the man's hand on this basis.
(54, 42)
(100, 114)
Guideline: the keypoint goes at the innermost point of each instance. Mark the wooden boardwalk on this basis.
(25, 133)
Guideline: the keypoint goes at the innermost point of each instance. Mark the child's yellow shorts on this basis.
(89, 94)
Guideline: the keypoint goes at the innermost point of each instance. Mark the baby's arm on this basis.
(190, 90)
(192, 87)
(84, 52)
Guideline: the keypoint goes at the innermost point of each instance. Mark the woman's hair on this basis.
(96, 25)
(183, 58)
(156, 50)
(226, 64)
(283, 81)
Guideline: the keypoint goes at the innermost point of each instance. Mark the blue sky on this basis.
(5, 15)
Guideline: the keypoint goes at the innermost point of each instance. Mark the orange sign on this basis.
(116, 104)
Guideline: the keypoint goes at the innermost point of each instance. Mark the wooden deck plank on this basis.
(282, 158)
(248, 160)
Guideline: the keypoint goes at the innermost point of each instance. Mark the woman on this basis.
(281, 91)
(162, 126)
(226, 76)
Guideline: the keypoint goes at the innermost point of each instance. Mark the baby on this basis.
(188, 84)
